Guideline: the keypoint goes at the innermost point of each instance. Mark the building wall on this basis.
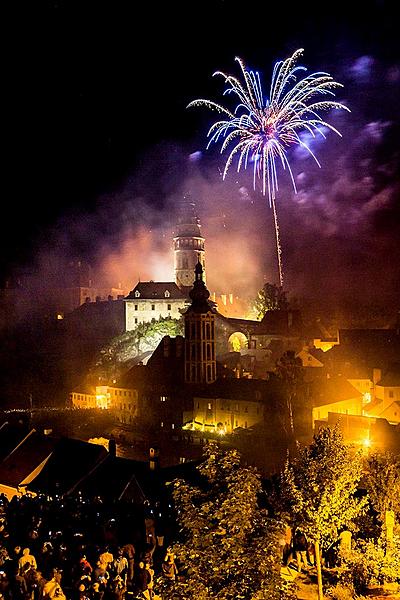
(210, 413)
(141, 311)
(391, 413)
(351, 406)
(82, 400)
(123, 401)
(387, 394)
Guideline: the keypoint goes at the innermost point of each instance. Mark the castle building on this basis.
(151, 300)
(154, 300)
(200, 359)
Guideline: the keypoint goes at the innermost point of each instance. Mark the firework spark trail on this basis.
(261, 130)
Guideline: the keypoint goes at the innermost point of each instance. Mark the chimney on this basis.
(376, 375)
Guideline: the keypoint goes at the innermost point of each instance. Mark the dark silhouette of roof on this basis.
(333, 389)
(11, 436)
(287, 323)
(70, 463)
(391, 377)
(25, 458)
(155, 290)
(361, 350)
(116, 478)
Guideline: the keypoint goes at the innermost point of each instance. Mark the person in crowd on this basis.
(26, 557)
(169, 567)
(300, 545)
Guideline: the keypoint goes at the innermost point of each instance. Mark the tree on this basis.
(319, 488)
(270, 297)
(289, 369)
(119, 353)
(228, 547)
(383, 483)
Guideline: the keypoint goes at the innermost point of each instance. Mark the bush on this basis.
(372, 563)
(341, 592)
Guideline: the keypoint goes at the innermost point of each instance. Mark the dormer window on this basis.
(137, 294)
(167, 294)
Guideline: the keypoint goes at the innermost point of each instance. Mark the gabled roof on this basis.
(334, 389)
(71, 462)
(155, 290)
(25, 458)
(10, 437)
(287, 323)
(116, 478)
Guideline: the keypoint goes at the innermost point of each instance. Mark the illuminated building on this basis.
(123, 401)
(151, 300)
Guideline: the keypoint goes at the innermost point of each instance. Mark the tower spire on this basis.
(200, 349)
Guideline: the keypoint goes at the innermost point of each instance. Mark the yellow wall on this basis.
(209, 412)
(353, 406)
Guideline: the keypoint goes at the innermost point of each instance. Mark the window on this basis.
(163, 398)
(153, 307)
(391, 394)
(137, 294)
(136, 306)
(209, 405)
(168, 307)
(167, 294)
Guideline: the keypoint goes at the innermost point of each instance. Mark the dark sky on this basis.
(98, 133)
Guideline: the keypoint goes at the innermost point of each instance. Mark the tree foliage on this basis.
(118, 354)
(320, 486)
(383, 483)
(229, 547)
(270, 297)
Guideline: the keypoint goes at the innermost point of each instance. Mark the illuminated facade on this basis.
(151, 300)
(123, 401)
(221, 415)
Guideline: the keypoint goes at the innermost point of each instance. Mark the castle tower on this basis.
(200, 363)
(188, 246)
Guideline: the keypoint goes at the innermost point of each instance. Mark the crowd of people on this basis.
(73, 549)
(299, 553)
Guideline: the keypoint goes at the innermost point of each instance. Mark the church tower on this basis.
(200, 363)
(188, 246)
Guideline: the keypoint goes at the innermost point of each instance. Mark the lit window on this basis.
(173, 426)
(163, 398)
(209, 406)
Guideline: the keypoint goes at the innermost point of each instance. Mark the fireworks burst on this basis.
(261, 130)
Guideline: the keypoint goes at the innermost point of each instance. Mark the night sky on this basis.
(98, 141)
